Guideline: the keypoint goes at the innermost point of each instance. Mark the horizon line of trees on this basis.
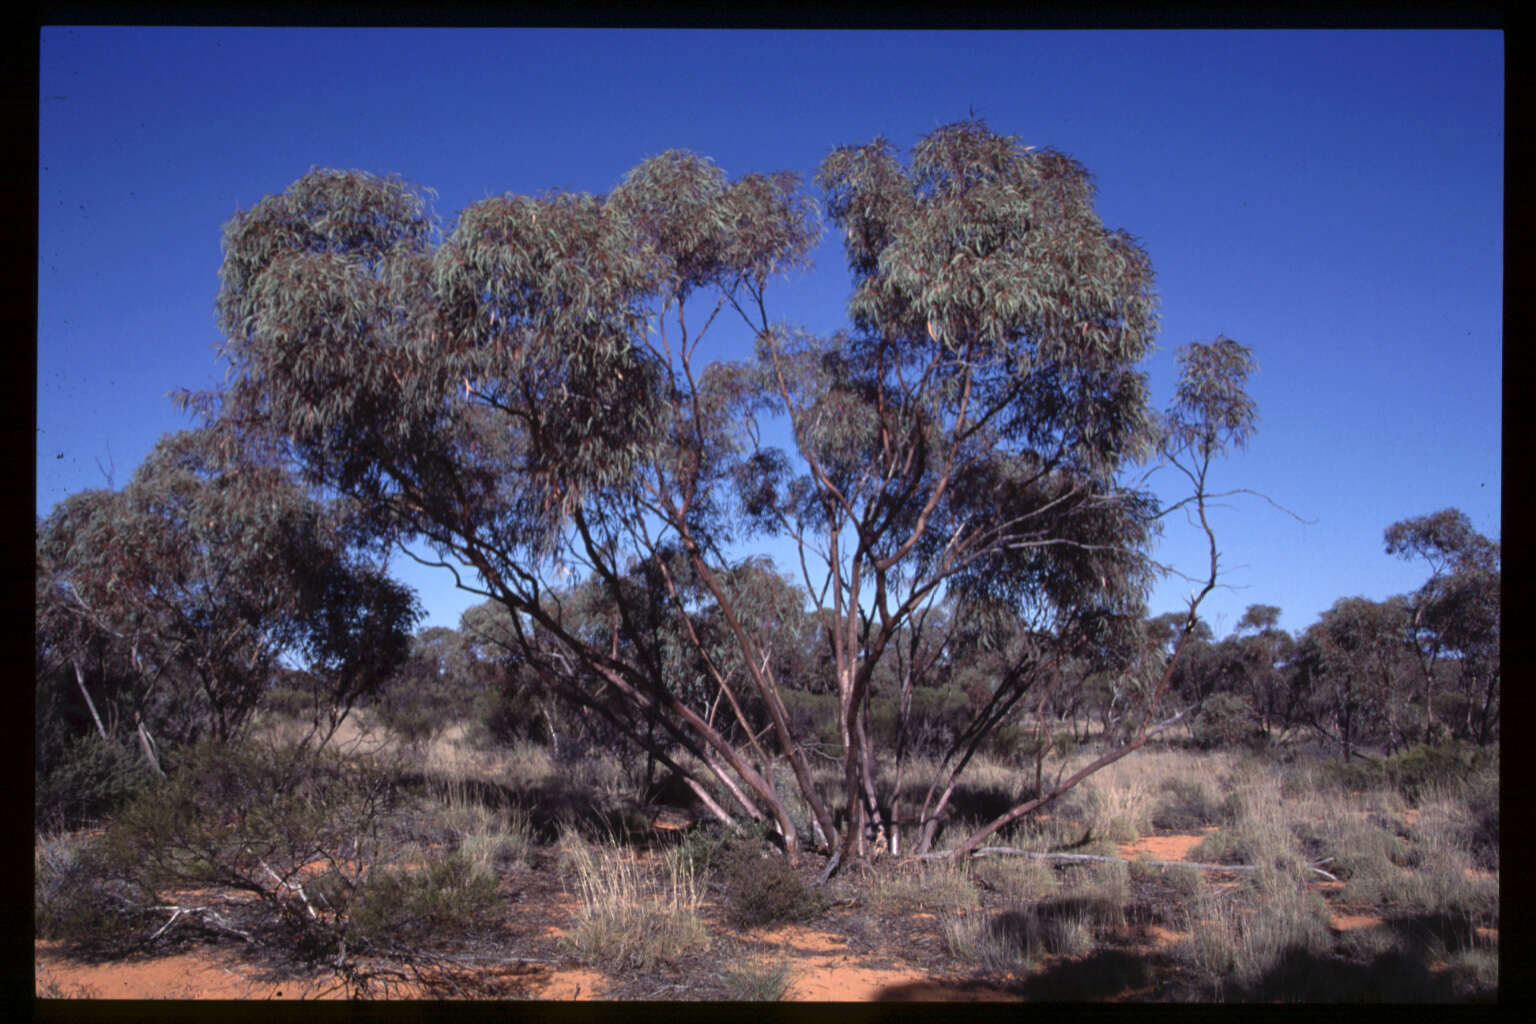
(1385, 675)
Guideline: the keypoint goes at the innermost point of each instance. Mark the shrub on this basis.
(1186, 804)
(85, 781)
(300, 830)
(757, 982)
(403, 907)
(1224, 720)
(1419, 769)
(1354, 776)
(80, 897)
(766, 892)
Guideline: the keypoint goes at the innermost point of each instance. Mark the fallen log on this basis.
(1009, 851)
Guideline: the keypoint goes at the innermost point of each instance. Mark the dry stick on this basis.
(1010, 851)
(207, 913)
(293, 886)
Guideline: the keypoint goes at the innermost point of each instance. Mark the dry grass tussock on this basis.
(632, 915)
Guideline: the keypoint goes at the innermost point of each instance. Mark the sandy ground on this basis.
(822, 968)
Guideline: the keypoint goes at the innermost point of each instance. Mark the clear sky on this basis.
(1332, 199)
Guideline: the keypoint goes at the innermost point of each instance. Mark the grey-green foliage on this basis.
(529, 396)
(173, 601)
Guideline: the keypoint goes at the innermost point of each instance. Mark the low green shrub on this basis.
(1225, 720)
(442, 900)
(1357, 776)
(1450, 765)
(768, 892)
(757, 983)
(80, 897)
(1186, 804)
(85, 781)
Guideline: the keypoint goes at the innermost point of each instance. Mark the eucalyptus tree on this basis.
(1455, 611)
(528, 397)
(1354, 660)
(1263, 654)
(206, 571)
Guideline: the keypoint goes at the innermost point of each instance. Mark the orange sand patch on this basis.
(1164, 937)
(795, 939)
(843, 983)
(822, 970)
(1173, 847)
(183, 976)
(573, 984)
(1353, 922)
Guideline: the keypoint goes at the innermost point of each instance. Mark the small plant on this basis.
(1120, 807)
(1012, 941)
(1240, 937)
(1185, 879)
(82, 897)
(1186, 804)
(941, 887)
(1018, 879)
(768, 892)
(442, 900)
(758, 983)
(626, 920)
(992, 942)
(1102, 890)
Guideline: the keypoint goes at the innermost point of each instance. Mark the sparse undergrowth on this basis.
(411, 871)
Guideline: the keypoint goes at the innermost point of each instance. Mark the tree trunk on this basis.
(80, 681)
(148, 746)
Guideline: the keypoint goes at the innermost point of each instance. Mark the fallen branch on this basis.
(837, 856)
(293, 886)
(1008, 851)
(208, 914)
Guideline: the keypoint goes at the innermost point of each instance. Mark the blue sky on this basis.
(1332, 199)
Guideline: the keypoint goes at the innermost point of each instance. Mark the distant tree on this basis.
(1264, 652)
(178, 597)
(1455, 612)
(529, 398)
(440, 682)
(1355, 661)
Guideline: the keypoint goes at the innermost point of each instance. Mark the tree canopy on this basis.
(531, 397)
(203, 574)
